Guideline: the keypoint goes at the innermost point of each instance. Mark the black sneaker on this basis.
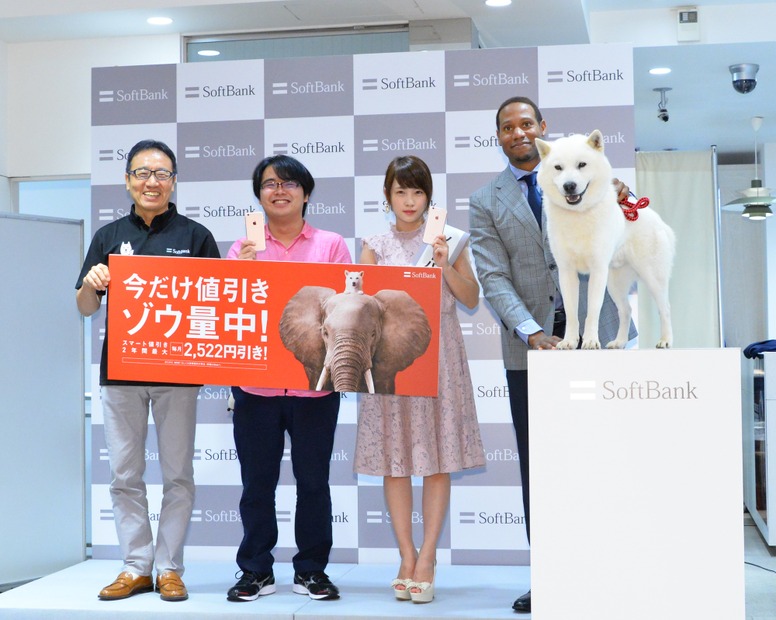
(316, 585)
(251, 586)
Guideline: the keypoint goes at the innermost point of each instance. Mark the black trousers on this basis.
(517, 381)
(260, 424)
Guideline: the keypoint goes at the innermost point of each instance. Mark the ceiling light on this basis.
(159, 21)
(659, 71)
(498, 2)
(756, 199)
(209, 53)
(757, 212)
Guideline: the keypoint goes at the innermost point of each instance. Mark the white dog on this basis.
(354, 282)
(589, 234)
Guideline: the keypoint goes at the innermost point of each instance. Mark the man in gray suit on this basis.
(518, 273)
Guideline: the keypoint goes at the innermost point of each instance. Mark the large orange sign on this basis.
(349, 328)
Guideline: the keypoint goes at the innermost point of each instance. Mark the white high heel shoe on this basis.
(426, 594)
(402, 594)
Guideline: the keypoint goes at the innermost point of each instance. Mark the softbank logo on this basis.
(369, 84)
(222, 91)
(193, 211)
(462, 80)
(556, 76)
(103, 454)
(307, 88)
(375, 517)
(106, 514)
(106, 155)
(286, 454)
(222, 150)
(136, 94)
(402, 83)
(634, 390)
(475, 142)
(372, 145)
(105, 215)
(197, 454)
(283, 516)
(496, 518)
(582, 390)
(648, 390)
(196, 516)
(371, 206)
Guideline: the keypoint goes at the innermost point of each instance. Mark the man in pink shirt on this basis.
(262, 416)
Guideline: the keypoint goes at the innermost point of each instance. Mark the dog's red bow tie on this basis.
(631, 209)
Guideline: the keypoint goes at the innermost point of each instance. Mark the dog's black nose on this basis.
(570, 187)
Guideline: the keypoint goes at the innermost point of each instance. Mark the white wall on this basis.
(49, 107)
(5, 200)
(727, 23)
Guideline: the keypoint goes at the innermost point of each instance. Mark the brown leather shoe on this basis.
(127, 584)
(170, 587)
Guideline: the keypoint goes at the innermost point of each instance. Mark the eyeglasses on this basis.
(270, 186)
(143, 174)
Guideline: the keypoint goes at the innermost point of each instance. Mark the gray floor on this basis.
(463, 593)
(760, 583)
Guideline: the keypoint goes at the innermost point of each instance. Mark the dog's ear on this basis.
(596, 140)
(543, 147)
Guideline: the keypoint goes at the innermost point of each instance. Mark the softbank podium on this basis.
(636, 485)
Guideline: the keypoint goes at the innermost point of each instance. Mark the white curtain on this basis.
(680, 187)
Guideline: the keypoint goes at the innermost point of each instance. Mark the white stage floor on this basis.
(471, 592)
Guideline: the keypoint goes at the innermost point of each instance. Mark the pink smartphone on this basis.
(254, 229)
(435, 224)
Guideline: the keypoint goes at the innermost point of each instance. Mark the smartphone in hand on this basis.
(254, 229)
(435, 224)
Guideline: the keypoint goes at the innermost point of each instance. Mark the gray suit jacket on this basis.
(516, 269)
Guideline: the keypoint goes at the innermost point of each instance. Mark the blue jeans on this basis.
(260, 424)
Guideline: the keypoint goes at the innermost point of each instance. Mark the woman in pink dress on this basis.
(404, 436)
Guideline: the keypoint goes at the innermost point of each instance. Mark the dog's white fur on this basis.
(354, 281)
(588, 233)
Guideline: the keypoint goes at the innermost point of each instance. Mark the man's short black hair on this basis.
(524, 100)
(151, 145)
(287, 169)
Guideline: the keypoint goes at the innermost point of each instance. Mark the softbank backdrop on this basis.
(345, 118)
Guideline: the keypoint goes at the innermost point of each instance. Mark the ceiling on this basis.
(703, 107)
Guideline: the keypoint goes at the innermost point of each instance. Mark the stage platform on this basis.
(471, 592)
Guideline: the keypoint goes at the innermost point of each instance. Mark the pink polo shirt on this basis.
(310, 246)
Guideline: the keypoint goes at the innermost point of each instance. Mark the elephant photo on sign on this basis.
(354, 343)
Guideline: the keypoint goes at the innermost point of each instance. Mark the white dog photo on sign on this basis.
(354, 282)
(589, 234)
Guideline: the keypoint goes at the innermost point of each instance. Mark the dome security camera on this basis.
(662, 106)
(744, 77)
